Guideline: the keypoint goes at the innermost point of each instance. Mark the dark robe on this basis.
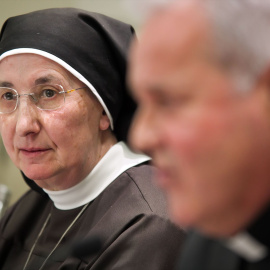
(204, 253)
(129, 215)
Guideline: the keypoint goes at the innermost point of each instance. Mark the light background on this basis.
(129, 11)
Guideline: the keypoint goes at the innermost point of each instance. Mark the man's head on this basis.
(200, 76)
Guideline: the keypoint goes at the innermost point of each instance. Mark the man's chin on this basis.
(179, 214)
(186, 219)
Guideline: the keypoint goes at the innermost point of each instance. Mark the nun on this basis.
(64, 116)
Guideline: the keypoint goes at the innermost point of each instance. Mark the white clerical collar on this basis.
(247, 247)
(117, 160)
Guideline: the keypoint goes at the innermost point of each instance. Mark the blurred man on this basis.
(201, 74)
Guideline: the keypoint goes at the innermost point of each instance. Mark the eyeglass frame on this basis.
(33, 99)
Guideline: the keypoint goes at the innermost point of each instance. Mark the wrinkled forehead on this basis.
(178, 26)
(170, 38)
(35, 69)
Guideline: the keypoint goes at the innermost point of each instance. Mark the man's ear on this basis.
(104, 121)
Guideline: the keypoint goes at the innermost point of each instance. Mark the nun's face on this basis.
(55, 148)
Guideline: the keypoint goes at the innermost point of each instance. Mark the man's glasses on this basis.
(45, 97)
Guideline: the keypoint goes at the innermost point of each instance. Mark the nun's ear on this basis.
(104, 122)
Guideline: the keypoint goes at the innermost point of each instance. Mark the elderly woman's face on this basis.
(56, 148)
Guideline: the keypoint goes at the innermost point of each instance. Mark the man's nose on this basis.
(144, 134)
(27, 116)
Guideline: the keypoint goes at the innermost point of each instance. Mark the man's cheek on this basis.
(186, 140)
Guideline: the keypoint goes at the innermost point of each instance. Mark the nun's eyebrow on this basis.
(47, 79)
(6, 84)
(41, 80)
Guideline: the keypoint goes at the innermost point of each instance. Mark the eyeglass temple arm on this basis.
(72, 90)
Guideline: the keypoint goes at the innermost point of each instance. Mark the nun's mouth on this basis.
(33, 152)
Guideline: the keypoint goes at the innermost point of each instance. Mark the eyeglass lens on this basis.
(46, 97)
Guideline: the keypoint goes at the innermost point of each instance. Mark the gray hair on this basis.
(241, 36)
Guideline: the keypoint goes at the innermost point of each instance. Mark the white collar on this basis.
(117, 160)
(247, 246)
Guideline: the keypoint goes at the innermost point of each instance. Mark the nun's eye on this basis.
(49, 93)
(9, 96)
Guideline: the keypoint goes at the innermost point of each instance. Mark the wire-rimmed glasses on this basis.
(44, 96)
